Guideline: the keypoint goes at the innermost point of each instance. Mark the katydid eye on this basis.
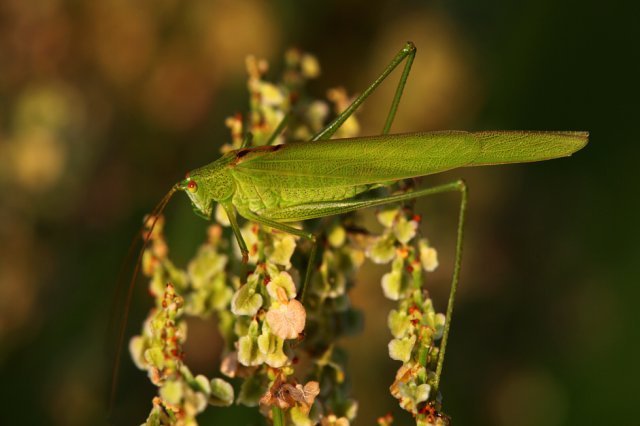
(192, 186)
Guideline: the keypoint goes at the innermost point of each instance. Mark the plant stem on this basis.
(278, 416)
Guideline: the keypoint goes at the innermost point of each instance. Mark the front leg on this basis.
(294, 231)
(231, 213)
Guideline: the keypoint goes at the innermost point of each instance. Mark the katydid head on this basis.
(208, 184)
(199, 197)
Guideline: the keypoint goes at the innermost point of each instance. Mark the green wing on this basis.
(378, 159)
(524, 147)
(359, 161)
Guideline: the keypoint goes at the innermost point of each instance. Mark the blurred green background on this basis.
(105, 104)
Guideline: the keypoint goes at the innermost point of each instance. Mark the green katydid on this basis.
(276, 185)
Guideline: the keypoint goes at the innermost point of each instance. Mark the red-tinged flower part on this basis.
(403, 252)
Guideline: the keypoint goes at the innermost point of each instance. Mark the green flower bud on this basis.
(281, 280)
(400, 349)
(136, 349)
(221, 393)
(391, 283)
(172, 392)
(281, 250)
(412, 394)
(337, 236)
(246, 301)
(248, 351)
(155, 357)
(201, 384)
(271, 346)
(428, 256)
(404, 229)
(399, 323)
(383, 250)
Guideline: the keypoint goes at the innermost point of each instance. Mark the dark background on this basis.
(104, 105)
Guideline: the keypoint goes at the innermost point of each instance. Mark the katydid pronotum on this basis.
(277, 185)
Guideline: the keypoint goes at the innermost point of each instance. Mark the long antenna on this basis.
(155, 215)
